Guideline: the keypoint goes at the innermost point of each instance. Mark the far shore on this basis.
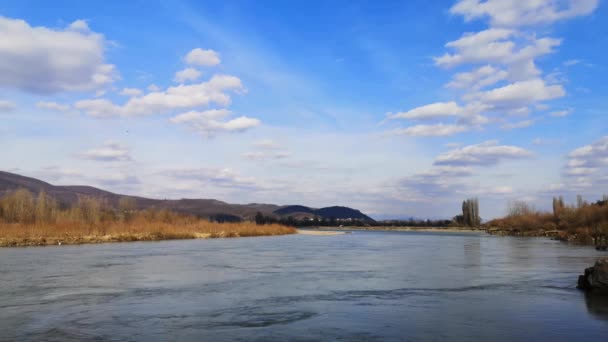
(403, 229)
(318, 232)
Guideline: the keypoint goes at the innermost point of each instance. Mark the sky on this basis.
(396, 108)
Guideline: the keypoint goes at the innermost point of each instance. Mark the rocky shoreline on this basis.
(595, 279)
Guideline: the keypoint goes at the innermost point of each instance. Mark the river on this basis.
(367, 286)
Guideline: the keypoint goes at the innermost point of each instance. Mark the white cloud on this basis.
(485, 154)
(54, 106)
(430, 130)
(45, 61)
(519, 124)
(188, 74)
(499, 46)
(109, 152)
(503, 78)
(519, 94)
(430, 111)
(7, 106)
(131, 92)
(561, 113)
(485, 46)
(589, 159)
(194, 116)
(514, 13)
(211, 122)
(79, 25)
(173, 98)
(479, 78)
(202, 57)
(572, 62)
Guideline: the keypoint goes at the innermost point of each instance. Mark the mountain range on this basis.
(207, 208)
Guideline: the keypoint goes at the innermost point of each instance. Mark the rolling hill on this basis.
(209, 208)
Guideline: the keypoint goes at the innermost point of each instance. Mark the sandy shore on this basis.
(318, 232)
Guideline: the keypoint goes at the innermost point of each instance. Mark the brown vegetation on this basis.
(583, 222)
(26, 220)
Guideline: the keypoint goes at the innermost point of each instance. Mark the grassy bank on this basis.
(14, 234)
(26, 220)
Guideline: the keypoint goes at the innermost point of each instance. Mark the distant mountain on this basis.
(328, 212)
(209, 208)
(294, 209)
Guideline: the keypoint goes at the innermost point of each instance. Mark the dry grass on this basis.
(17, 234)
(585, 224)
(26, 220)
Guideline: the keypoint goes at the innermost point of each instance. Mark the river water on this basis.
(363, 286)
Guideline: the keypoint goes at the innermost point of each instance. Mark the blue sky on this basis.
(396, 108)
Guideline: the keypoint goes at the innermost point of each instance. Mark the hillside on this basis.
(336, 212)
(208, 208)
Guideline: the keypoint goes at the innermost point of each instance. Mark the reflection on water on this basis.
(597, 305)
(361, 286)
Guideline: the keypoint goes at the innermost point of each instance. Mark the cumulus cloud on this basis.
(202, 57)
(131, 92)
(479, 78)
(7, 106)
(588, 159)
(188, 74)
(213, 91)
(490, 45)
(430, 111)
(109, 152)
(485, 154)
(430, 130)
(499, 46)
(503, 78)
(211, 122)
(46, 61)
(512, 13)
(519, 94)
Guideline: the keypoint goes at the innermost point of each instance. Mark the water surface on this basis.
(361, 286)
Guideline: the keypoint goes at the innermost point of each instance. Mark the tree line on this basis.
(291, 221)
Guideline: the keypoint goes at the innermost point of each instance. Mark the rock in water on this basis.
(595, 278)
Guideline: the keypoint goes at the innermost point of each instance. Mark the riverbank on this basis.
(579, 237)
(20, 235)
